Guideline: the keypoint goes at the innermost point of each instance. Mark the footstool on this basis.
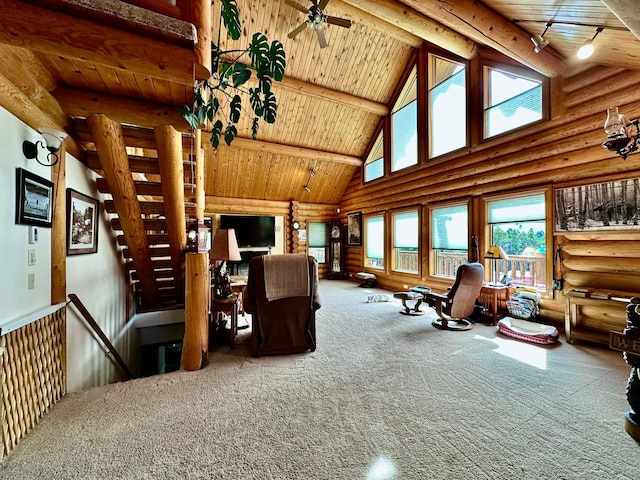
(414, 296)
(369, 279)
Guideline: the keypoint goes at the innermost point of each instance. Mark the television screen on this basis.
(251, 230)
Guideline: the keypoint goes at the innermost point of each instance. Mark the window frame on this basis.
(365, 241)
(410, 76)
(310, 246)
(432, 251)
(483, 99)
(378, 142)
(548, 221)
(393, 255)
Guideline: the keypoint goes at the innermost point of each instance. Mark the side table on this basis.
(230, 306)
(490, 297)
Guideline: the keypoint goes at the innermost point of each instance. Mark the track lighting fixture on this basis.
(539, 41)
(52, 142)
(586, 50)
(311, 175)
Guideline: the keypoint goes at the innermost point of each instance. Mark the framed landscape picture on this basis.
(34, 199)
(82, 223)
(354, 229)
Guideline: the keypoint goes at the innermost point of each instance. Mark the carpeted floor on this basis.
(385, 396)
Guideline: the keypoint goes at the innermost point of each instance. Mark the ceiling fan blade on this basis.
(322, 4)
(296, 5)
(297, 30)
(341, 22)
(321, 38)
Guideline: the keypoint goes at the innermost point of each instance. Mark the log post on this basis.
(59, 232)
(196, 326)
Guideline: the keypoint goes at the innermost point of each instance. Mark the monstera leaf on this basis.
(221, 94)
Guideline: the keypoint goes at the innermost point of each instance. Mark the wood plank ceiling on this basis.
(331, 100)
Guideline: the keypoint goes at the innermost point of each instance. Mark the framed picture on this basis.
(34, 199)
(82, 223)
(599, 206)
(354, 229)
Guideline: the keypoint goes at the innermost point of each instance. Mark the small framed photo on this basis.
(34, 199)
(354, 229)
(82, 223)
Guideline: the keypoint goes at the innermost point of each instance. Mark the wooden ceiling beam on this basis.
(429, 29)
(627, 12)
(82, 103)
(481, 24)
(291, 151)
(55, 33)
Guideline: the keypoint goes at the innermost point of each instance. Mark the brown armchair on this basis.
(282, 298)
(460, 300)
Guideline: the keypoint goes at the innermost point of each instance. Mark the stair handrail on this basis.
(96, 328)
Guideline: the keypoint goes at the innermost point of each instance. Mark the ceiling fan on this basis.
(315, 19)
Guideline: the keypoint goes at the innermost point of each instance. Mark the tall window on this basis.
(318, 241)
(406, 238)
(510, 100)
(449, 239)
(517, 224)
(447, 106)
(374, 241)
(404, 126)
(374, 165)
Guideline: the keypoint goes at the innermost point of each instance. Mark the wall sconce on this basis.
(52, 142)
(586, 50)
(539, 41)
(623, 135)
(311, 175)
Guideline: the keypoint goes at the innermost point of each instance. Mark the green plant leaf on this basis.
(258, 50)
(235, 108)
(254, 128)
(230, 133)
(215, 134)
(241, 74)
(231, 18)
(264, 82)
(212, 107)
(188, 115)
(270, 108)
(277, 61)
(256, 101)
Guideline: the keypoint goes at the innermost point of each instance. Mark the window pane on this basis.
(518, 226)
(449, 239)
(374, 165)
(449, 228)
(530, 207)
(317, 234)
(406, 236)
(404, 133)
(374, 241)
(447, 106)
(512, 101)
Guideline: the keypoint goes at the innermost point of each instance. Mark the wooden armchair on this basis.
(459, 302)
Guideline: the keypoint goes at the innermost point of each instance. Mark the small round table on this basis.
(414, 296)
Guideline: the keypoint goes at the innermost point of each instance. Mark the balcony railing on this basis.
(524, 270)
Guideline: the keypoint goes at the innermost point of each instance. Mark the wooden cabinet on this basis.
(336, 249)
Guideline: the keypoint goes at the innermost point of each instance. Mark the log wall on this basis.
(563, 151)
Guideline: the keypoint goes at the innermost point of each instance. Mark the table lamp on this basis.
(223, 248)
(494, 253)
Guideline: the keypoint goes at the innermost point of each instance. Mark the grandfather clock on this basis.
(336, 258)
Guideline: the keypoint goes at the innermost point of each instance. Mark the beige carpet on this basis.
(385, 396)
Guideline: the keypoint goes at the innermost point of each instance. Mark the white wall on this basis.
(98, 279)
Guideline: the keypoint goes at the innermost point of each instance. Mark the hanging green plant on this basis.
(221, 94)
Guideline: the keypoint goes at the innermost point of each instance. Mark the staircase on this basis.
(153, 247)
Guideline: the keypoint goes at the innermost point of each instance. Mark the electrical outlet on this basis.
(32, 257)
(405, 286)
(32, 281)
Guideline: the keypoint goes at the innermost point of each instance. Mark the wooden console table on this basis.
(574, 303)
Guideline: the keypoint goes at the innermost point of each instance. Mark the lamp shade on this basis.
(225, 245)
(496, 252)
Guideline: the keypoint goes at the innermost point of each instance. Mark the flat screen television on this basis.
(251, 230)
